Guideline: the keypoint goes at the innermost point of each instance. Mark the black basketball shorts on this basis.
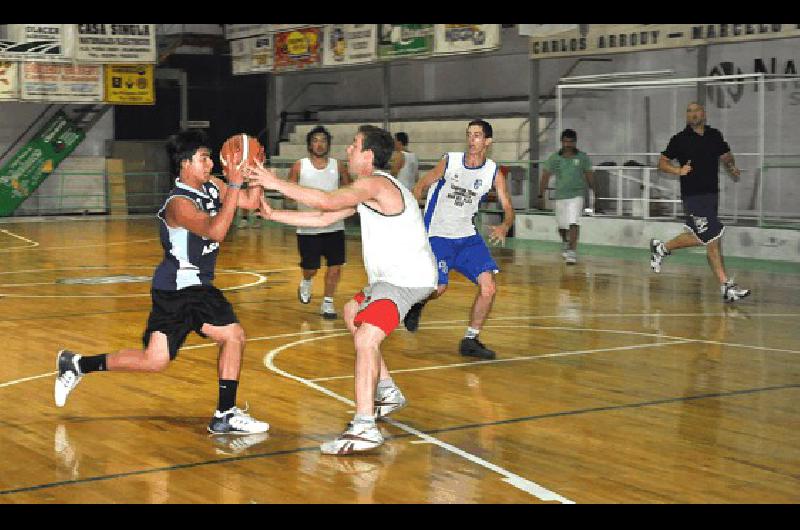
(176, 313)
(701, 216)
(313, 246)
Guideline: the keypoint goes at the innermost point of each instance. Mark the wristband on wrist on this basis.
(241, 186)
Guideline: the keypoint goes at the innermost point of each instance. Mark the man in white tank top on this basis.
(323, 173)
(400, 266)
(404, 163)
(462, 181)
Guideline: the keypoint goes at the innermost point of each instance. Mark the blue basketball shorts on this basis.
(701, 216)
(468, 255)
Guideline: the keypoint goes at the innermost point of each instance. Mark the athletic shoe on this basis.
(388, 401)
(475, 348)
(657, 253)
(358, 437)
(328, 310)
(69, 375)
(571, 257)
(235, 421)
(564, 248)
(732, 292)
(233, 445)
(304, 292)
(411, 320)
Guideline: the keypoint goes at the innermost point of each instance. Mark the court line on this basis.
(513, 479)
(401, 436)
(12, 234)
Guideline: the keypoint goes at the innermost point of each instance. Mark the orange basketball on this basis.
(250, 148)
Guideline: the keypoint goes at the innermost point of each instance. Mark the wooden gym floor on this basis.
(612, 384)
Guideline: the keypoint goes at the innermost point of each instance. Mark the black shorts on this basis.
(313, 246)
(701, 216)
(176, 313)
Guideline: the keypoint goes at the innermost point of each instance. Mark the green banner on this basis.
(36, 160)
(404, 40)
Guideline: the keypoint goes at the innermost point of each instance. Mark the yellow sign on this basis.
(130, 84)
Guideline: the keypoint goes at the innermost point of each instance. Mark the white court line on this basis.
(12, 234)
(517, 481)
(16, 381)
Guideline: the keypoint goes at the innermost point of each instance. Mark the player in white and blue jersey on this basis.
(455, 188)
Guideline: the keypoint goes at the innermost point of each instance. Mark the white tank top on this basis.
(408, 173)
(453, 200)
(322, 179)
(395, 247)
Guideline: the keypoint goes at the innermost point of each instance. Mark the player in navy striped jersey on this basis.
(193, 221)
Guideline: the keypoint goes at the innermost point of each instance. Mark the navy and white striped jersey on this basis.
(189, 259)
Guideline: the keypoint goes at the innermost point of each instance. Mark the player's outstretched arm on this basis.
(295, 218)
(422, 185)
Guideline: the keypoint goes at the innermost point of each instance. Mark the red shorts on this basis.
(382, 313)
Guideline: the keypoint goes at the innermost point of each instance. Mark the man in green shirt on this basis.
(573, 171)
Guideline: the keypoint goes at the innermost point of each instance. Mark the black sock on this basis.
(94, 363)
(227, 394)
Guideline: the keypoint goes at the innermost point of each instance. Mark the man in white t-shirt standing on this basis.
(404, 163)
(401, 270)
(320, 171)
(462, 180)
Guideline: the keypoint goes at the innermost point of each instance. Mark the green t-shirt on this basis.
(569, 173)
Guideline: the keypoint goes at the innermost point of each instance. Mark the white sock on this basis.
(471, 333)
(364, 418)
(305, 283)
(328, 299)
(383, 384)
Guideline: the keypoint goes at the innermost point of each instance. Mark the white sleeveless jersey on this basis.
(453, 200)
(395, 247)
(408, 173)
(322, 179)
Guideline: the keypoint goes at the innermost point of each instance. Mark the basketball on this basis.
(250, 148)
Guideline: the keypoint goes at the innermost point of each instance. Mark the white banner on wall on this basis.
(241, 31)
(9, 81)
(465, 38)
(36, 42)
(595, 39)
(350, 44)
(115, 43)
(252, 55)
(53, 82)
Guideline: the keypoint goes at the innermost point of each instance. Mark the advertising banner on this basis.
(115, 43)
(129, 84)
(252, 55)
(595, 39)
(23, 173)
(9, 81)
(298, 49)
(350, 44)
(465, 38)
(36, 42)
(50, 82)
(404, 40)
(241, 31)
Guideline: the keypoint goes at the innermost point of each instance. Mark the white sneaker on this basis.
(657, 253)
(358, 437)
(388, 401)
(564, 249)
(732, 292)
(571, 257)
(327, 310)
(68, 375)
(235, 421)
(304, 292)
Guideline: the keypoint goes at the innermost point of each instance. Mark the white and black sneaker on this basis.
(732, 292)
(68, 376)
(327, 310)
(564, 248)
(236, 421)
(357, 438)
(389, 400)
(657, 253)
(304, 292)
(570, 257)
